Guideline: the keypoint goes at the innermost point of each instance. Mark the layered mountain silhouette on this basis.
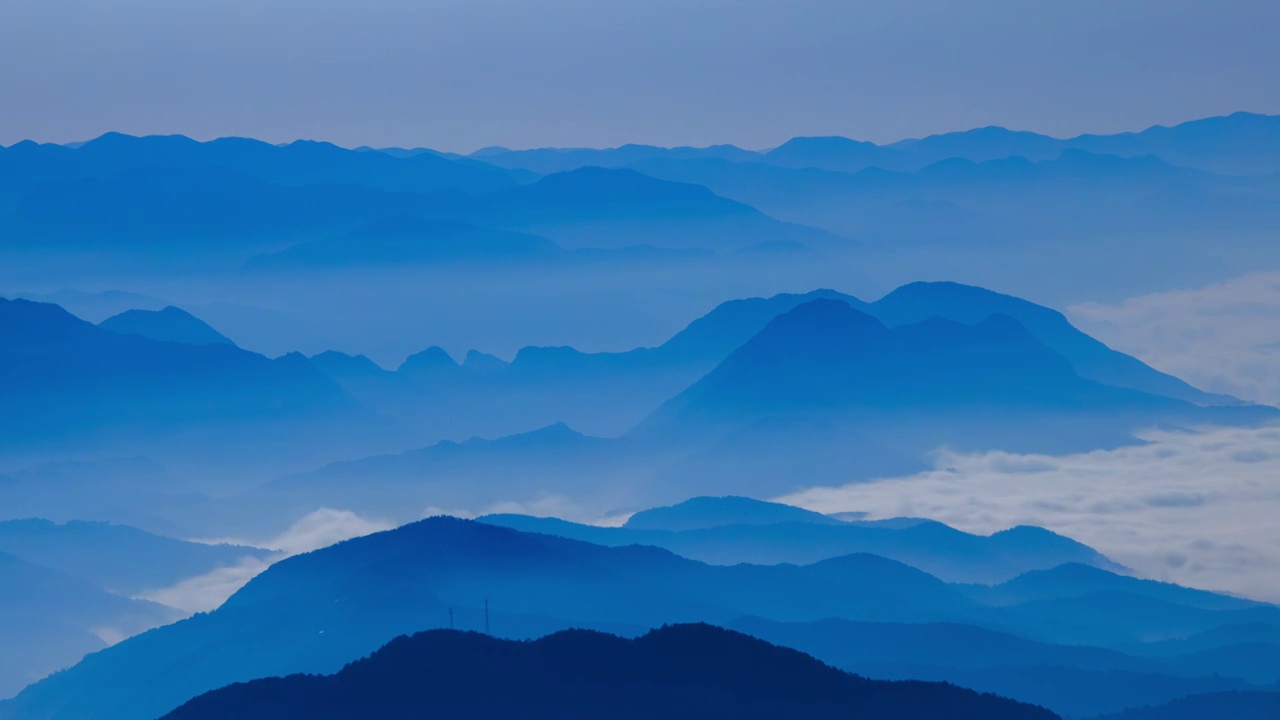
(298, 163)
(177, 212)
(312, 613)
(170, 324)
(1061, 218)
(1091, 359)
(315, 612)
(64, 378)
(768, 395)
(1073, 680)
(50, 620)
(1240, 143)
(682, 671)
(1077, 580)
(543, 385)
(225, 210)
(824, 367)
(1234, 705)
(118, 558)
(95, 306)
(702, 513)
(727, 531)
(405, 240)
(452, 474)
(613, 208)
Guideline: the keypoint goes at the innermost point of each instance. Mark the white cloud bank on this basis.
(319, 529)
(1200, 509)
(1221, 338)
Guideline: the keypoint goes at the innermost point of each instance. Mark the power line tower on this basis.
(450, 617)
(486, 616)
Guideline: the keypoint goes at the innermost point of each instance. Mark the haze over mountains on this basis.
(270, 381)
(311, 613)
(1241, 143)
(1030, 198)
(762, 396)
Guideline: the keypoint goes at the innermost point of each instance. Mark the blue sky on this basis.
(459, 74)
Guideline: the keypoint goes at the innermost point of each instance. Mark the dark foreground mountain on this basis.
(313, 613)
(680, 672)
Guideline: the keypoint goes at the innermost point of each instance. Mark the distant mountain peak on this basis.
(708, 512)
(594, 184)
(169, 324)
(433, 359)
(477, 361)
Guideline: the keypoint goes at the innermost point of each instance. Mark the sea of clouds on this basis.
(1198, 508)
(1221, 338)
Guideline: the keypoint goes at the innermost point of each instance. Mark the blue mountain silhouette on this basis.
(1091, 359)
(1073, 680)
(314, 612)
(1234, 705)
(719, 531)
(170, 324)
(65, 378)
(50, 620)
(563, 383)
(585, 208)
(298, 163)
(831, 153)
(1075, 580)
(118, 558)
(825, 359)
(701, 513)
(682, 671)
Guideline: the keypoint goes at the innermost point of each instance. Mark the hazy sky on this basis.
(460, 74)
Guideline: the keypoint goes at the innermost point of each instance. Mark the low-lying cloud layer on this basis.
(1222, 338)
(1199, 509)
(319, 529)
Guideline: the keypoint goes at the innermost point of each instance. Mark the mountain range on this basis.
(118, 558)
(753, 398)
(172, 198)
(544, 385)
(51, 619)
(727, 531)
(1238, 143)
(820, 386)
(824, 367)
(73, 588)
(1235, 705)
(681, 671)
(65, 378)
(169, 324)
(312, 613)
